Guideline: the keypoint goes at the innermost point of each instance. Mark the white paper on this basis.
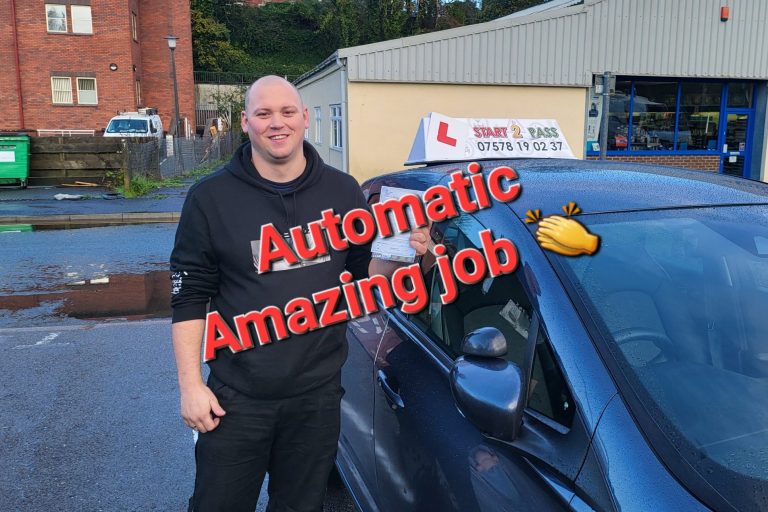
(7, 156)
(397, 247)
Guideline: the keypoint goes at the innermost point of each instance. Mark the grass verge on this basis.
(142, 185)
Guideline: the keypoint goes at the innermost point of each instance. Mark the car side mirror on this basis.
(484, 342)
(488, 390)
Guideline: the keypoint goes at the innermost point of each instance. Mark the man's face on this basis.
(275, 122)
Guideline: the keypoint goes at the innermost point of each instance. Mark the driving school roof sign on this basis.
(447, 139)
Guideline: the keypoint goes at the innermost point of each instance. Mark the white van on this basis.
(144, 123)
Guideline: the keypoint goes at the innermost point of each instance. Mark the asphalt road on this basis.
(90, 407)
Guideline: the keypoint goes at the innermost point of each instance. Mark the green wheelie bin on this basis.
(14, 159)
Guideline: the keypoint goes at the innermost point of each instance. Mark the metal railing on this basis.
(178, 156)
(64, 133)
(228, 78)
(223, 77)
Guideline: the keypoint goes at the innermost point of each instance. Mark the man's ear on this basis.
(306, 118)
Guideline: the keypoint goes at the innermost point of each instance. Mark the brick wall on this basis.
(701, 162)
(43, 54)
(159, 19)
(9, 93)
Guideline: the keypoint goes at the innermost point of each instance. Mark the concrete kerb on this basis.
(97, 218)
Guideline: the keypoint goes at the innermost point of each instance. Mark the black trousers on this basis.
(293, 439)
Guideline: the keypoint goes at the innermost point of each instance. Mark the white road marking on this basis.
(81, 327)
(46, 341)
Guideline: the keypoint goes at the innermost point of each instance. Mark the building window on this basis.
(86, 91)
(666, 115)
(134, 27)
(740, 95)
(306, 133)
(336, 141)
(699, 122)
(318, 124)
(653, 116)
(138, 92)
(56, 17)
(62, 90)
(81, 19)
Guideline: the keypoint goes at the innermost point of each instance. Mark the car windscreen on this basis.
(127, 126)
(680, 300)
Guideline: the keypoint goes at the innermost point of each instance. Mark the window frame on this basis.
(134, 26)
(439, 352)
(54, 90)
(318, 126)
(675, 151)
(95, 90)
(336, 142)
(90, 19)
(137, 90)
(47, 19)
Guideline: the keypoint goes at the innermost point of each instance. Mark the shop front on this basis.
(702, 124)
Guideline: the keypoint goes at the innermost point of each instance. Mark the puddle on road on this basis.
(132, 296)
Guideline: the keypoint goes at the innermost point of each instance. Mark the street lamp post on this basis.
(172, 46)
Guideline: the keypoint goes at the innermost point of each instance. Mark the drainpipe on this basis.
(18, 66)
(344, 115)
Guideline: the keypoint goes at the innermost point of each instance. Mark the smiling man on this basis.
(274, 408)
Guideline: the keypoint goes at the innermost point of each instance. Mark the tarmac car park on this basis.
(632, 379)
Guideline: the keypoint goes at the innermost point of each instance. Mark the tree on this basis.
(340, 25)
(211, 47)
(494, 9)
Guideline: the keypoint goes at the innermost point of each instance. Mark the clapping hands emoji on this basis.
(564, 235)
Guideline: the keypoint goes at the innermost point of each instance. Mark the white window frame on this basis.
(336, 130)
(48, 22)
(95, 90)
(54, 90)
(318, 125)
(135, 26)
(82, 24)
(138, 92)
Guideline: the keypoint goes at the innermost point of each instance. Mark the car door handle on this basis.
(393, 398)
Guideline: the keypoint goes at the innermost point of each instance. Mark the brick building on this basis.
(73, 64)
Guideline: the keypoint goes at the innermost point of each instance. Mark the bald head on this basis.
(267, 82)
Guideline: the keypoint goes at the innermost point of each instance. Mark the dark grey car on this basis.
(634, 379)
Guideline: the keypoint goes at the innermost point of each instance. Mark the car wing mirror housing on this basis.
(484, 342)
(489, 393)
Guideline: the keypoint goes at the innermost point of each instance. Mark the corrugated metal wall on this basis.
(567, 46)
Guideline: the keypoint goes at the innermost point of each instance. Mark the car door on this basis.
(355, 457)
(428, 455)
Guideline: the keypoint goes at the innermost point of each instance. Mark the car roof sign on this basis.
(449, 139)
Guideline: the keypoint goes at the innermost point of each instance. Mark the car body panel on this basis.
(429, 457)
(637, 480)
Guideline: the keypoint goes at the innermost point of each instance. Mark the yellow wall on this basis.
(384, 117)
(323, 91)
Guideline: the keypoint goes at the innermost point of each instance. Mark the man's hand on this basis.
(200, 408)
(419, 240)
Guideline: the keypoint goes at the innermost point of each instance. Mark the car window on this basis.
(548, 393)
(678, 300)
(500, 302)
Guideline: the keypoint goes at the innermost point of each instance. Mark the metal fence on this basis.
(178, 156)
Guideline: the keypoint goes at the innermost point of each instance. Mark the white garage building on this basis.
(690, 83)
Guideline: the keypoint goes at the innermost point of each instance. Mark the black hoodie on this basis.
(213, 259)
